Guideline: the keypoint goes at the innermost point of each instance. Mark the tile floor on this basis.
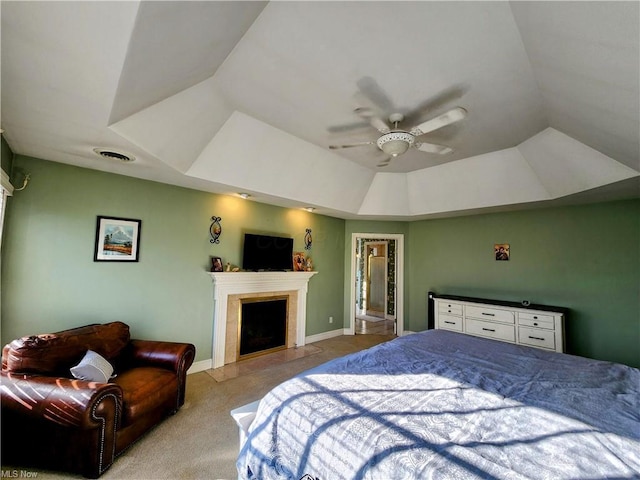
(380, 327)
(243, 367)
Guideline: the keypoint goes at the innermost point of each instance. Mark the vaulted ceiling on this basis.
(234, 97)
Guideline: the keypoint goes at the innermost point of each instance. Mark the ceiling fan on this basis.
(395, 141)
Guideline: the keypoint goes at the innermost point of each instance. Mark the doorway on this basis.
(376, 299)
(373, 295)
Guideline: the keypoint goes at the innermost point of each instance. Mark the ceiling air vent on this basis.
(113, 155)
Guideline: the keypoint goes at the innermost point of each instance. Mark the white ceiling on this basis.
(247, 96)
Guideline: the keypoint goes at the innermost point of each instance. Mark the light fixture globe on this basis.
(395, 143)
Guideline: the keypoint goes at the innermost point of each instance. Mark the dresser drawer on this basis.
(488, 313)
(535, 320)
(537, 337)
(449, 322)
(450, 308)
(499, 331)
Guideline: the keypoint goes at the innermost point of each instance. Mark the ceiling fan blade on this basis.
(359, 144)
(370, 89)
(375, 122)
(435, 103)
(433, 148)
(348, 127)
(452, 116)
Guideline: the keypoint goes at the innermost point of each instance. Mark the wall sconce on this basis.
(215, 230)
(308, 240)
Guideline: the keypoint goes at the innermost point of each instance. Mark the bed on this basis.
(445, 405)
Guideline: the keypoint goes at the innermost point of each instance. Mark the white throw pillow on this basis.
(93, 368)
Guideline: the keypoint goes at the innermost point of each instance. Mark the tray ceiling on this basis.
(247, 96)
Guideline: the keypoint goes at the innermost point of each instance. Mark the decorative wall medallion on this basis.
(308, 240)
(215, 230)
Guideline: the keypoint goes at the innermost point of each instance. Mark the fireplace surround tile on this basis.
(230, 287)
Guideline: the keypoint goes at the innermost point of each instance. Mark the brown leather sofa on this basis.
(52, 420)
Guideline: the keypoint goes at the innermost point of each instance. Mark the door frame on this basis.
(399, 238)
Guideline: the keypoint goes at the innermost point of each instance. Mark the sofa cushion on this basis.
(93, 368)
(145, 389)
(56, 353)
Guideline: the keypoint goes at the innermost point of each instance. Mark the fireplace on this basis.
(263, 326)
(230, 289)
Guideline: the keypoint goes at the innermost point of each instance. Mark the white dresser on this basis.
(534, 326)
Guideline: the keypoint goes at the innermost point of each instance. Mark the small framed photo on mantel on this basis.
(299, 262)
(117, 240)
(216, 264)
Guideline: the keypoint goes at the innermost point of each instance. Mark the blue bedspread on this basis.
(442, 405)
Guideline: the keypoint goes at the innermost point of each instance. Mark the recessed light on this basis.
(309, 209)
(244, 195)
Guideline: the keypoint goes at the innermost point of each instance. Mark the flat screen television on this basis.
(265, 252)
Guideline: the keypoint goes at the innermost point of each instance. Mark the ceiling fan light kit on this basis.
(395, 143)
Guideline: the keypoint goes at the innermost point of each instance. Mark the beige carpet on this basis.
(201, 440)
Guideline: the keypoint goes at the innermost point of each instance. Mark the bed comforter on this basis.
(442, 405)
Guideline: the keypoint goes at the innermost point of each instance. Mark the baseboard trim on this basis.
(324, 336)
(200, 366)
(407, 332)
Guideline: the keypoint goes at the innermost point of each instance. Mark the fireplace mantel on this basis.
(234, 283)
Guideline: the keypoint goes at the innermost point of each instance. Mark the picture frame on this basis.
(501, 251)
(117, 239)
(216, 264)
(299, 262)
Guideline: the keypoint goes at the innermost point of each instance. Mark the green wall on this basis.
(50, 281)
(586, 258)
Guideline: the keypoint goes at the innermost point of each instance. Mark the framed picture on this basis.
(298, 262)
(216, 264)
(501, 251)
(117, 240)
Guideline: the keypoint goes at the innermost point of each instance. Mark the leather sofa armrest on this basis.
(173, 356)
(59, 422)
(65, 401)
